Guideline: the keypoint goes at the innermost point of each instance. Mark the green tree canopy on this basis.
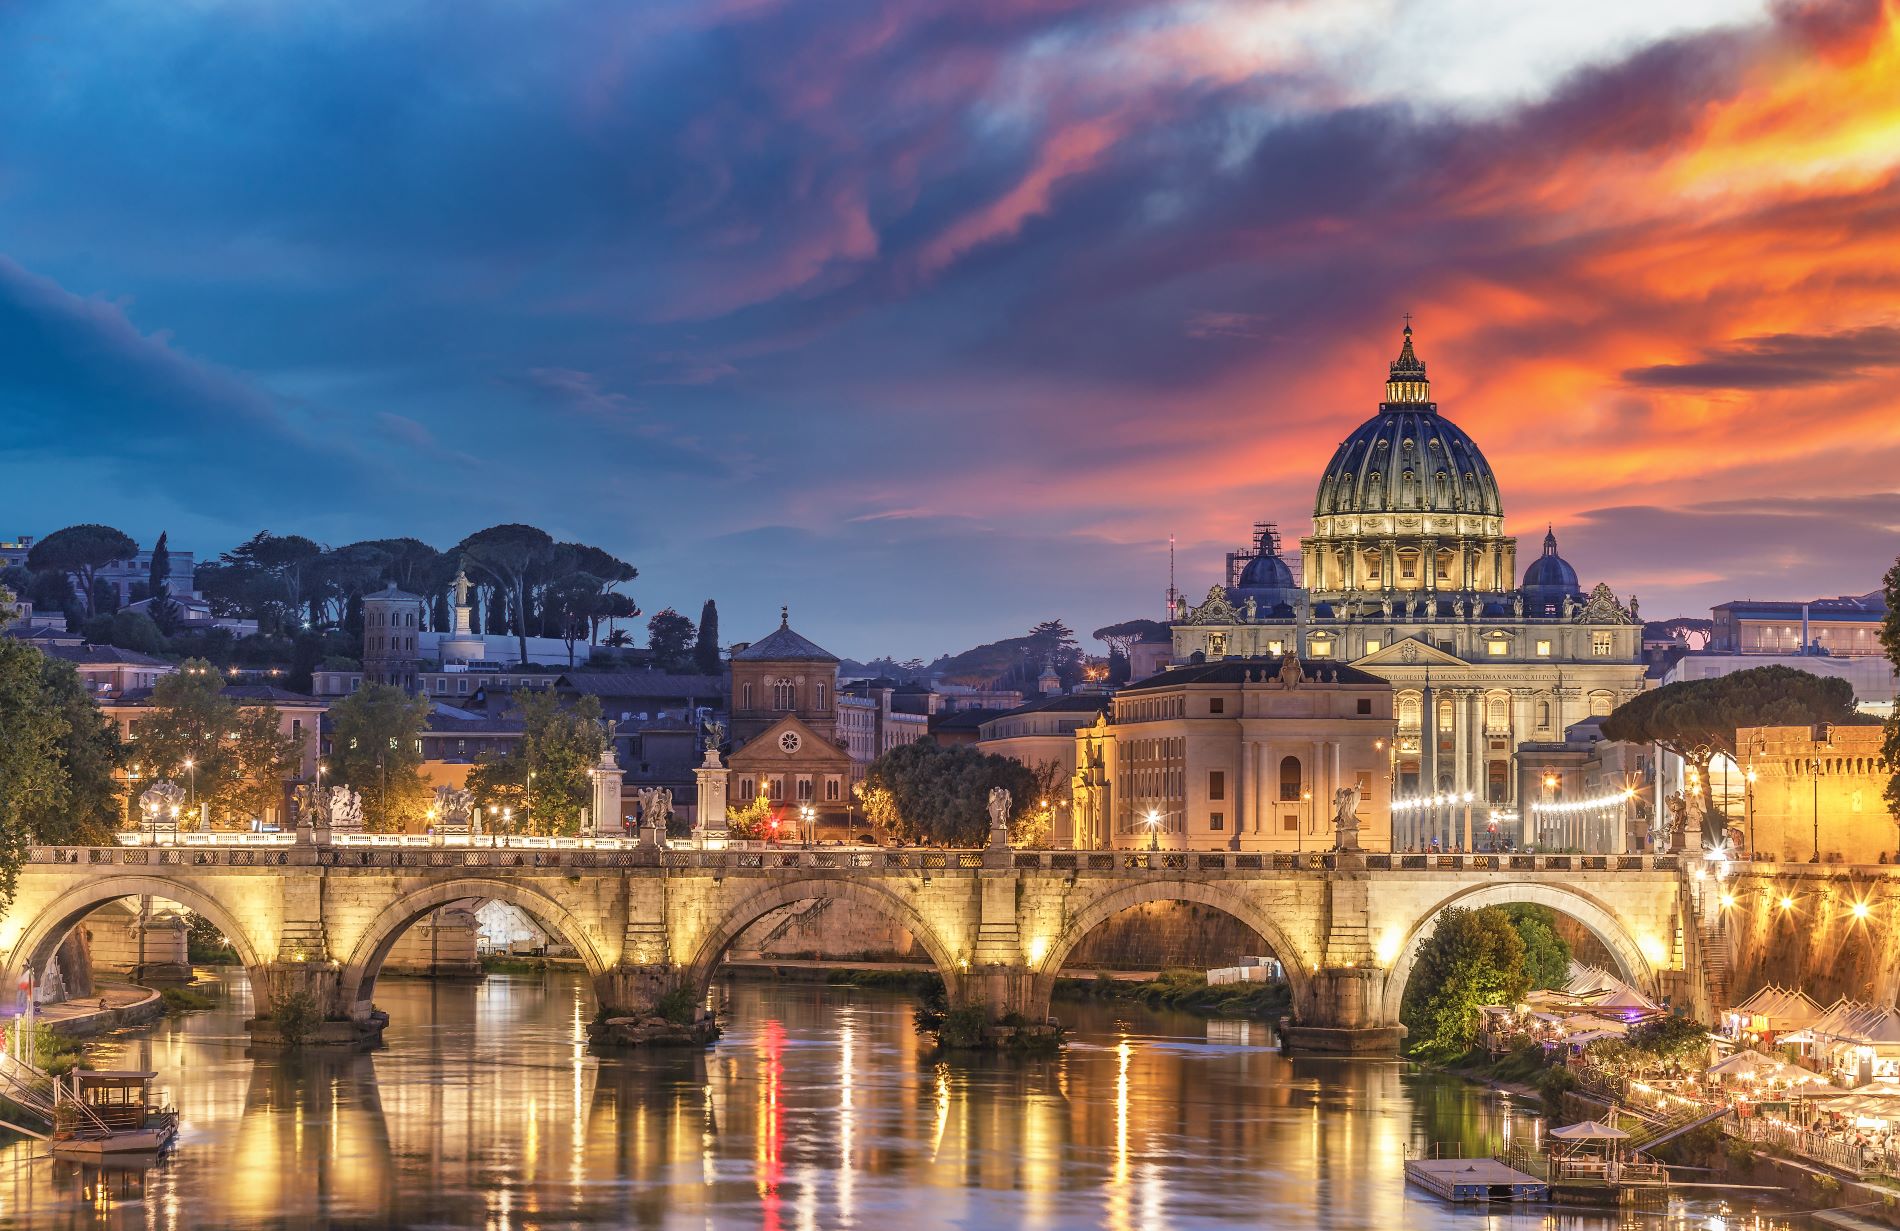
(80, 552)
(942, 793)
(1471, 959)
(1546, 954)
(508, 555)
(30, 775)
(670, 637)
(559, 745)
(235, 758)
(375, 738)
(1697, 719)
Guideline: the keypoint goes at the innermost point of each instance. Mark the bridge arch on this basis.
(1600, 920)
(750, 909)
(50, 926)
(365, 962)
(1296, 960)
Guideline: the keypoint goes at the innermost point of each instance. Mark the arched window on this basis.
(1289, 778)
(1408, 710)
(1543, 714)
(1601, 703)
(782, 695)
(745, 695)
(1496, 713)
(821, 698)
(1444, 714)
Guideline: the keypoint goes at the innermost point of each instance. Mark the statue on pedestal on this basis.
(454, 810)
(344, 810)
(160, 806)
(1346, 818)
(1000, 800)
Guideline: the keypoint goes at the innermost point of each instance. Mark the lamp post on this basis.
(1551, 783)
(1814, 773)
(1299, 838)
(191, 767)
(806, 814)
(527, 812)
(1748, 807)
(1153, 821)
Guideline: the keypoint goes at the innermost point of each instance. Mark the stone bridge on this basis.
(998, 924)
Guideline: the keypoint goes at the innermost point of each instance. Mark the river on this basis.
(820, 1109)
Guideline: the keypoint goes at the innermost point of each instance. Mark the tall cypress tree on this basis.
(497, 612)
(158, 585)
(706, 647)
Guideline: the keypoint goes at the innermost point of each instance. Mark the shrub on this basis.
(296, 1017)
(678, 1006)
(963, 1027)
(186, 999)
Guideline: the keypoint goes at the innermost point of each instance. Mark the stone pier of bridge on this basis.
(319, 921)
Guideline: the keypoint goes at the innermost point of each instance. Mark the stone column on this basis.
(709, 817)
(1243, 783)
(1429, 563)
(603, 817)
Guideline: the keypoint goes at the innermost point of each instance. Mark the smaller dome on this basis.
(1267, 572)
(1550, 571)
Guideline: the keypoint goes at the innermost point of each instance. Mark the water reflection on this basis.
(818, 1110)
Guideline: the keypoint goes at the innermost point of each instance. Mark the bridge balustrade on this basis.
(244, 851)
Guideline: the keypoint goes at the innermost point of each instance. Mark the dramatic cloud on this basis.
(934, 316)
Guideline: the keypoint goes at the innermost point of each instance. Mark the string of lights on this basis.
(1451, 800)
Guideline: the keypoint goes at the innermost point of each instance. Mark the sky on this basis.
(936, 319)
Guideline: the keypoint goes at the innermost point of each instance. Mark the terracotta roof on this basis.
(642, 684)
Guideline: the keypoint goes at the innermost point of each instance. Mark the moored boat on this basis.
(109, 1114)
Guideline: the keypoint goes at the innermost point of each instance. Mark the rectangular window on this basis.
(1290, 822)
(1372, 645)
(804, 789)
(1321, 649)
(1276, 648)
(832, 789)
(1543, 649)
(1217, 705)
(1365, 705)
(1216, 820)
(1498, 648)
(778, 788)
(1600, 644)
(745, 789)
(1216, 784)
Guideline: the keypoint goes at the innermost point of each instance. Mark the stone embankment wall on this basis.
(1152, 936)
(1818, 941)
(440, 943)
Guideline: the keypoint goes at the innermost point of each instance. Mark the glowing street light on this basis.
(1153, 821)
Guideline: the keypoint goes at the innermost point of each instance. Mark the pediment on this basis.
(1410, 652)
(766, 749)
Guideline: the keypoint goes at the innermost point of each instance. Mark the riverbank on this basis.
(115, 1006)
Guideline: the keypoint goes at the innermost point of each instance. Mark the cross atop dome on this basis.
(1406, 384)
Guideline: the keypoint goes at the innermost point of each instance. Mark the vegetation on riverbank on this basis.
(186, 999)
(205, 945)
(923, 982)
(54, 1053)
(516, 964)
(1187, 991)
(1474, 958)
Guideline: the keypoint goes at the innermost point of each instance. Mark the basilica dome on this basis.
(1408, 458)
(1408, 502)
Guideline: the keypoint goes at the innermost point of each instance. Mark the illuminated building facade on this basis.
(1409, 576)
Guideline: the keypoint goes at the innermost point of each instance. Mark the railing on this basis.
(489, 851)
(1842, 1155)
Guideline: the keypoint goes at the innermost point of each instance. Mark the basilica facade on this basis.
(1409, 576)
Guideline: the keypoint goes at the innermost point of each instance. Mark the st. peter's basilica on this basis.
(1408, 575)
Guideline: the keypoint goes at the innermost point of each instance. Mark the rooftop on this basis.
(1258, 670)
(784, 645)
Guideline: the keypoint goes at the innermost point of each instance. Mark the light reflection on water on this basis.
(819, 1109)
